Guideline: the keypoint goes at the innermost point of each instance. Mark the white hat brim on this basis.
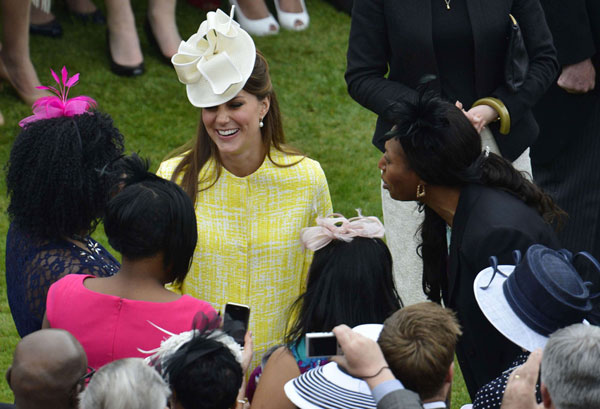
(496, 309)
(327, 387)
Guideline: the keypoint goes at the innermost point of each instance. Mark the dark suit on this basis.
(565, 157)
(488, 222)
(397, 34)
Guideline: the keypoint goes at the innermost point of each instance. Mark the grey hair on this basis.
(126, 384)
(570, 367)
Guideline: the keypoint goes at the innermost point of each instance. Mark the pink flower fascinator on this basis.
(337, 227)
(59, 105)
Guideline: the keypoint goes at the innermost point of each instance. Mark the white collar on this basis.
(435, 405)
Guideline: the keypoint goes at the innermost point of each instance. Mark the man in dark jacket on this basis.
(566, 155)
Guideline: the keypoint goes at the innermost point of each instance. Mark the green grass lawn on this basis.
(153, 113)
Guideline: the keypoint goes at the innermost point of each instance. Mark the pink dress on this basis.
(110, 327)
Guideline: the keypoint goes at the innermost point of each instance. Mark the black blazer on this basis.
(397, 34)
(488, 222)
(575, 26)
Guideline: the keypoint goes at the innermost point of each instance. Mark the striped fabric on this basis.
(249, 248)
(329, 388)
(572, 179)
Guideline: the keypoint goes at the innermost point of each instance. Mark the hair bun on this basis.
(132, 169)
(420, 120)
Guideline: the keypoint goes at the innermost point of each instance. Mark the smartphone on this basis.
(235, 321)
(321, 345)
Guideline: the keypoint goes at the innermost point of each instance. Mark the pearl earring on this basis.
(261, 124)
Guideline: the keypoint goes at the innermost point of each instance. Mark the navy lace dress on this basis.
(33, 264)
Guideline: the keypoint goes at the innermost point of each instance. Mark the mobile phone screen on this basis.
(322, 346)
(235, 322)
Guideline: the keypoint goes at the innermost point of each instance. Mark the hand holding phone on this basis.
(235, 321)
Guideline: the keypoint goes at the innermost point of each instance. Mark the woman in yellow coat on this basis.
(252, 193)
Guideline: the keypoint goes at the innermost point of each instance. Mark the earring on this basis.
(261, 124)
(420, 191)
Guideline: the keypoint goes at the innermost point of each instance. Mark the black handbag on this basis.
(516, 62)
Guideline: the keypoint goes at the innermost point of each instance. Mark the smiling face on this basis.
(234, 125)
(398, 178)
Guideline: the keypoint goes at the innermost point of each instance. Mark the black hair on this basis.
(443, 148)
(151, 215)
(349, 283)
(58, 175)
(204, 374)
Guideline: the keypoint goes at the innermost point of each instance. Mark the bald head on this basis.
(47, 365)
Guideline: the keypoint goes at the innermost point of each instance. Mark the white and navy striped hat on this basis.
(327, 387)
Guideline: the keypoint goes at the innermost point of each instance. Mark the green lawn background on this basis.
(153, 113)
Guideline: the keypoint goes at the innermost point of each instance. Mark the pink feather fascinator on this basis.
(59, 105)
(337, 227)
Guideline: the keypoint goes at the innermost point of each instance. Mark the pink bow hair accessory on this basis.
(59, 105)
(337, 227)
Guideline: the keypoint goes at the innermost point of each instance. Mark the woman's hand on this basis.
(248, 351)
(479, 116)
(362, 356)
(520, 389)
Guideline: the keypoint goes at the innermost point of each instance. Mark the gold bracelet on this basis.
(500, 108)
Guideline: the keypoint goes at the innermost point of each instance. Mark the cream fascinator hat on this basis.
(215, 63)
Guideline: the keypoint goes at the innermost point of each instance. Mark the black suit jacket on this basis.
(575, 26)
(397, 34)
(488, 222)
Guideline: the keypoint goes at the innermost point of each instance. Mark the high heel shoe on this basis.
(30, 98)
(122, 70)
(260, 27)
(154, 43)
(288, 20)
(49, 29)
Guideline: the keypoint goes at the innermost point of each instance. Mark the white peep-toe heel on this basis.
(288, 20)
(260, 27)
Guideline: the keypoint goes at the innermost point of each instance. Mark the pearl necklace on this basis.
(447, 4)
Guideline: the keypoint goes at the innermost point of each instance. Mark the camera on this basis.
(321, 345)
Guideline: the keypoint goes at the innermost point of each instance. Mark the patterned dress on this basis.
(33, 264)
(249, 248)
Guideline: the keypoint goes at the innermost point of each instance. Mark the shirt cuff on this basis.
(384, 388)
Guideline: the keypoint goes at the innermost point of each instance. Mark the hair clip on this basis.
(59, 105)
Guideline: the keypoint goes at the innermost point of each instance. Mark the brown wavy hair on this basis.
(196, 153)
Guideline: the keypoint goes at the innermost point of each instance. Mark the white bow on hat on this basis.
(215, 62)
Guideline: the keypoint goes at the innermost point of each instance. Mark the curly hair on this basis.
(58, 176)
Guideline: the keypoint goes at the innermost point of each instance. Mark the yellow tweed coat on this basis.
(249, 248)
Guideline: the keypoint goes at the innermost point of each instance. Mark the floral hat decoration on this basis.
(215, 62)
(337, 227)
(59, 105)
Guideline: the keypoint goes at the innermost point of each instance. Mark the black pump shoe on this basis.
(154, 43)
(49, 29)
(95, 17)
(123, 70)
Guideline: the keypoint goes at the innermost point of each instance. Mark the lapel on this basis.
(478, 26)
(412, 41)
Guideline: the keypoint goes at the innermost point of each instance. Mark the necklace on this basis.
(447, 4)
